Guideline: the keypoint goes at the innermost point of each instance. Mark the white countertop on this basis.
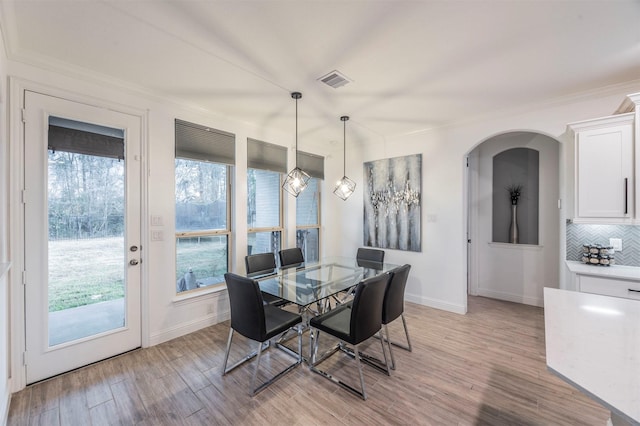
(614, 271)
(593, 342)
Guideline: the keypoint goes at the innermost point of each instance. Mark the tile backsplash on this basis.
(579, 234)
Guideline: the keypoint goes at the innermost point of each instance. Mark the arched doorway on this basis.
(497, 266)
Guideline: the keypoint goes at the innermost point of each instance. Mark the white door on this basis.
(82, 234)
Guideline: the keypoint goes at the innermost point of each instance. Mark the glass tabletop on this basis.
(316, 281)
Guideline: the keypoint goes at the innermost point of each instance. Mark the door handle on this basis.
(133, 262)
(626, 195)
(634, 290)
(133, 248)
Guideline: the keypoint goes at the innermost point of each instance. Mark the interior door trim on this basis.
(16, 90)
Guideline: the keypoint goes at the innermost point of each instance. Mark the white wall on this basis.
(4, 282)
(516, 272)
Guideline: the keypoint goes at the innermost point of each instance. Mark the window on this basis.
(266, 164)
(203, 215)
(308, 208)
(263, 211)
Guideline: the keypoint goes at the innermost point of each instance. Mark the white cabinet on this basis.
(608, 286)
(604, 178)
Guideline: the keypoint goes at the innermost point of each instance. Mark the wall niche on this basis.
(515, 167)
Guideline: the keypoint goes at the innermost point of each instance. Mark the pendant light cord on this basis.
(296, 96)
(296, 132)
(344, 119)
(344, 148)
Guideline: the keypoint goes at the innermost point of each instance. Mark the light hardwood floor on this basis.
(484, 368)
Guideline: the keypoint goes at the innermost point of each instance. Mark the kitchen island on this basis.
(593, 343)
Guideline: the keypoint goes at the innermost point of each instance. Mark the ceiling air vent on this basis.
(335, 79)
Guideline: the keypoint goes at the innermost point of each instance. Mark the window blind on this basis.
(201, 143)
(266, 156)
(312, 164)
(85, 138)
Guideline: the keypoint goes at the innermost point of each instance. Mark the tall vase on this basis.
(513, 229)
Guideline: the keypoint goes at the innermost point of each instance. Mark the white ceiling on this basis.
(415, 65)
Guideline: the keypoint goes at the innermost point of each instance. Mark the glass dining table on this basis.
(313, 286)
(313, 283)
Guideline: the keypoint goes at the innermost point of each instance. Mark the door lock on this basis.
(133, 248)
(133, 262)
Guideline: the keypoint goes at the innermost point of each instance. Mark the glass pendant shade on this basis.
(344, 188)
(296, 181)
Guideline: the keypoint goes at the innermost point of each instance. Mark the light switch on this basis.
(156, 220)
(616, 243)
(157, 235)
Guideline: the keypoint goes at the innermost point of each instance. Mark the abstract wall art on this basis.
(392, 203)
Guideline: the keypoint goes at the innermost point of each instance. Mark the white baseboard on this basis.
(188, 327)
(435, 303)
(195, 325)
(511, 297)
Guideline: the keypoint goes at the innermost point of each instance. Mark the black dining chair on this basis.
(260, 264)
(259, 322)
(370, 259)
(290, 258)
(393, 307)
(370, 255)
(263, 264)
(352, 325)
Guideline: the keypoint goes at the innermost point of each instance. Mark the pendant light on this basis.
(345, 186)
(297, 179)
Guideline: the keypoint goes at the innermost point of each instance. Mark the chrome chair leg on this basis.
(255, 372)
(249, 357)
(226, 355)
(357, 352)
(406, 347)
(314, 362)
(300, 357)
(384, 353)
(374, 362)
(261, 347)
(406, 332)
(361, 393)
(386, 332)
